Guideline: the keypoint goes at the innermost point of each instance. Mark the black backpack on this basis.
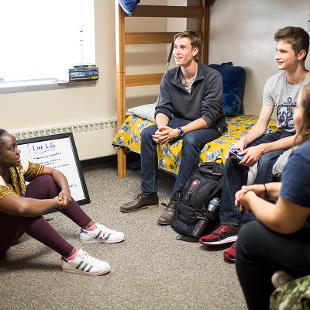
(192, 218)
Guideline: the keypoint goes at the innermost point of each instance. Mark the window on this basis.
(41, 40)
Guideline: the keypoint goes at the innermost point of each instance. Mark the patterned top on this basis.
(27, 171)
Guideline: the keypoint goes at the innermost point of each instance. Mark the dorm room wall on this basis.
(242, 31)
(91, 108)
(66, 107)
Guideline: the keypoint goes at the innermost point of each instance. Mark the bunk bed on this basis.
(129, 127)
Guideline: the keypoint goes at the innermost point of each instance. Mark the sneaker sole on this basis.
(77, 271)
(163, 223)
(102, 241)
(134, 210)
(160, 222)
(229, 260)
(224, 241)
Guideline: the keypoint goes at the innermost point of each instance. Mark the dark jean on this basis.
(193, 142)
(261, 252)
(12, 227)
(235, 176)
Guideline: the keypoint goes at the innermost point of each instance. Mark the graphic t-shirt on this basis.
(282, 95)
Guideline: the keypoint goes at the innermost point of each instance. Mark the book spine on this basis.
(84, 78)
(85, 66)
(82, 69)
(83, 74)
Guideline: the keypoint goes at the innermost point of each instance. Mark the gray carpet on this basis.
(150, 269)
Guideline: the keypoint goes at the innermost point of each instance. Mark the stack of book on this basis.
(83, 73)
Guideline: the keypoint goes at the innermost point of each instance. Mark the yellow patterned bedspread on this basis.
(169, 155)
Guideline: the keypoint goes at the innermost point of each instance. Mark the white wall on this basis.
(145, 58)
(64, 107)
(242, 31)
(35, 109)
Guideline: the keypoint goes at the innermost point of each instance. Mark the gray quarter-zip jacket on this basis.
(204, 100)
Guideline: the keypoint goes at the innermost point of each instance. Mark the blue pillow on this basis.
(233, 83)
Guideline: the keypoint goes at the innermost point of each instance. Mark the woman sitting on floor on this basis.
(280, 239)
(22, 207)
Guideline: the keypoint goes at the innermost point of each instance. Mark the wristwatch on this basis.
(181, 132)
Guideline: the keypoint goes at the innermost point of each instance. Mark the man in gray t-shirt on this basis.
(279, 93)
(257, 146)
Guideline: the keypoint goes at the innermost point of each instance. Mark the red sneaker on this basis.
(222, 235)
(230, 254)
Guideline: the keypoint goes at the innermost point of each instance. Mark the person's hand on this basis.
(252, 155)
(238, 197)
(59, 203)
(243, 195)
(258, 189)
(239, 145)
(164, 134)
(65, 197)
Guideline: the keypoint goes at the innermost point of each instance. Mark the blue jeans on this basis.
(193, 142)
(235, 176)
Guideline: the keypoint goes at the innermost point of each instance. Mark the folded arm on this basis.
(61, 181)
(283, 217)
(13, 204)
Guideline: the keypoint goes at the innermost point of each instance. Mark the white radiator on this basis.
(92, 138)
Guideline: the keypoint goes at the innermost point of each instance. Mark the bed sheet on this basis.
(169, 155)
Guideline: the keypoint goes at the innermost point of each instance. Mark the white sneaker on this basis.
(101, 234)
(83, 263)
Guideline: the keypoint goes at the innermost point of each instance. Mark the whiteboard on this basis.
(58, 152)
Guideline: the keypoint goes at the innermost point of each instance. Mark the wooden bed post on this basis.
(120, 82)
(205, 31)
(200, 23)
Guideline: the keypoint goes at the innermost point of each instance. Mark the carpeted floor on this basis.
(151, 269)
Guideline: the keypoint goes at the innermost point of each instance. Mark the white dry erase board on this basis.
(59, 152)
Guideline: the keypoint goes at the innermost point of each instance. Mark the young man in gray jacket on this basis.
(189, 108)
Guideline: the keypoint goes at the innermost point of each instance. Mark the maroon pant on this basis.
(12, 227)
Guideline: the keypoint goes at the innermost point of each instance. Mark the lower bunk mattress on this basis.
(169, 154)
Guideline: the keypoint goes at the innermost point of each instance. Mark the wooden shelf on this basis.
(168, 11)
(143, 79)
(150, 37)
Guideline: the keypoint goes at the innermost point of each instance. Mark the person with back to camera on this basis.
(189, 108)
(22, 207)
(279, 240)
(257, 146)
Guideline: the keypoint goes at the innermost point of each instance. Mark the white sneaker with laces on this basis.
(101, 234)
(85, 264)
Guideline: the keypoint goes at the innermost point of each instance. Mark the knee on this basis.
(232, 166)
(45, 180)
(266, 160)
(42, 187)
(190, 142)
(148, 132)
(248, 235)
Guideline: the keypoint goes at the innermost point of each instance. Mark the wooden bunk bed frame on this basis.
(197, 10)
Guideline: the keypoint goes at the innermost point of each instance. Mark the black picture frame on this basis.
(58, 151)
